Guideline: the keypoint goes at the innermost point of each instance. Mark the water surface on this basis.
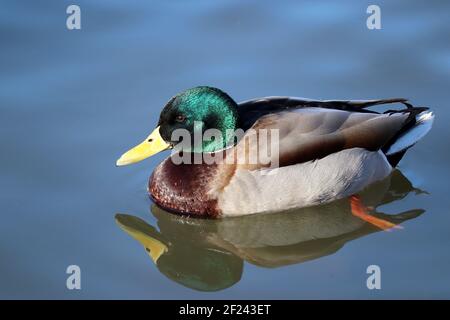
(72, 101)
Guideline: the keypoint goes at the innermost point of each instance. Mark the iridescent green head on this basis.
(196, 111)
(201, 119)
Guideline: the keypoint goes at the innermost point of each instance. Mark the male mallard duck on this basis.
(326, 150)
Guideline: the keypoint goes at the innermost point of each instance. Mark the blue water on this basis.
(72, 101)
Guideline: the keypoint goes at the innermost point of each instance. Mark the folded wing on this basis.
(305, 134)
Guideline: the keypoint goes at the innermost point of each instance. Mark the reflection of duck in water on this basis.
(208, 255)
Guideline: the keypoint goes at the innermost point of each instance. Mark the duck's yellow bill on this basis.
(150, 146)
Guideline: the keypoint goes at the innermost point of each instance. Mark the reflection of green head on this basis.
(189, 263)
(192, 260)
(201, 268)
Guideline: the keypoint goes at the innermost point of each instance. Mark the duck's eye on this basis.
(180, 118)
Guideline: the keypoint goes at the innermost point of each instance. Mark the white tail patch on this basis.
(409, 138)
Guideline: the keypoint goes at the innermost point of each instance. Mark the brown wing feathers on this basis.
(329, 131)
(306, 136)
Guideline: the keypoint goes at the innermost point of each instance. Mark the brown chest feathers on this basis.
(184, 188)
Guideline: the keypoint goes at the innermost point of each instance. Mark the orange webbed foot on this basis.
(360, 211)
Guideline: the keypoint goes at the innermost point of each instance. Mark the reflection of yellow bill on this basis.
(154, 247)
(150, 146)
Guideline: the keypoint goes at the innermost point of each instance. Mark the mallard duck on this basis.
(325, 150)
